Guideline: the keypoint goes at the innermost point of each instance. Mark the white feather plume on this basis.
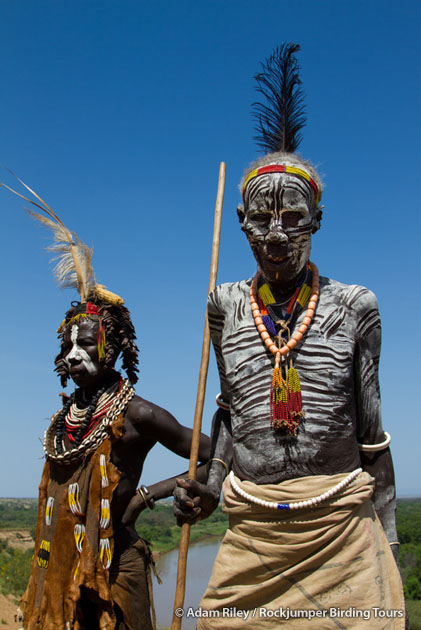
(74, 258)
(74, 266)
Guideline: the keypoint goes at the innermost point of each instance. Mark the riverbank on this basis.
(159, 528)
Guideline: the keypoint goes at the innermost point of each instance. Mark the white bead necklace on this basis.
(272, 505)
(94, 439)
(75, 416)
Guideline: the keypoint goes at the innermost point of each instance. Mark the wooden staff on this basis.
(200, 399)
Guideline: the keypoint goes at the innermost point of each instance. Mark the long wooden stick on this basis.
(200, 399)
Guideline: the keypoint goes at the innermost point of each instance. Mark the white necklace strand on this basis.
(299, 504)
(94, 439)
(75, 416)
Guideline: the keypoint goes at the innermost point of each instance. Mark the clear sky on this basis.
(118, 114)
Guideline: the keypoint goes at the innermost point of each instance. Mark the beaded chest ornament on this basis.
(285, 393)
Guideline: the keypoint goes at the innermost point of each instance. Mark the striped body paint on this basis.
(337, 361)
(278, 221)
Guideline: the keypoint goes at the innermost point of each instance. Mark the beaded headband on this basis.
(82, 311)
(283, 168)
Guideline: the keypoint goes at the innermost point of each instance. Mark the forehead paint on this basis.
(274, 190)
(79, 354)
(299, 173)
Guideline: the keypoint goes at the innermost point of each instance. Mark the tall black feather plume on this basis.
(281, 118)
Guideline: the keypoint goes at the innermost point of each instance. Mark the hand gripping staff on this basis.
(200, 398)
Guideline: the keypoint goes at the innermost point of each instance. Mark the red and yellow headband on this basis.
(282, 168)
(83, 310)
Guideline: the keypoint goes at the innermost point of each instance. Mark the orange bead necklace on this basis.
(285, 396)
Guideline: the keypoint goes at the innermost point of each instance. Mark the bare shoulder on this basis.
(354, 297)
(155, 424)
(142, 411)
(225, 295)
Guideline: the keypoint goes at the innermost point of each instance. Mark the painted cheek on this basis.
(87, 363)
(255, 232)
(73, 354)
(79, 354)
(301, 249)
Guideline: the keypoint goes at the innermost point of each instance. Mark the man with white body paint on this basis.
(311, 494)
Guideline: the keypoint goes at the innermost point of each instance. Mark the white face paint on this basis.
(79, 354)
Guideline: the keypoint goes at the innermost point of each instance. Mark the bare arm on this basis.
(155, 424)
(159, 425)
(369, 429)
(155, 492)
(195, 501)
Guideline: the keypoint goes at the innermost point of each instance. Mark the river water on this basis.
(199, 566)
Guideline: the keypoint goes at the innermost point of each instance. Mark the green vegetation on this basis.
(19, 514)
(158, 526)
(15, 564)
(414, 614)
(409, 535)
(15, 567)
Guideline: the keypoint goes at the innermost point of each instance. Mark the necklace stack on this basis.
(285, 395)
(98, 434)
(75, 416)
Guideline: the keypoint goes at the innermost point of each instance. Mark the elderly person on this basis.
(311, 495)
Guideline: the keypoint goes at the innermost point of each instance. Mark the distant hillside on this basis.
(19, 514)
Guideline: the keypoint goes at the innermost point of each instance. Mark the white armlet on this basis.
(221, 403)
(376, 447)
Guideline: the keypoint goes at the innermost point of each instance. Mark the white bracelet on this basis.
(376, 447)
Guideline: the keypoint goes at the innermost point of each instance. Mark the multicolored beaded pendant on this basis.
(285, 393)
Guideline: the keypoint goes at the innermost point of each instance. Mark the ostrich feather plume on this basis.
(74, 258)
(282, 116)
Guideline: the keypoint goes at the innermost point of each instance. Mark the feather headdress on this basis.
(74, 258)
(281, 118)
(116, 333)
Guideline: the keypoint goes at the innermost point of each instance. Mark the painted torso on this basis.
(337, 363)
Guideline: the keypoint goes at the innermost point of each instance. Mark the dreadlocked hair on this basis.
(119, 334)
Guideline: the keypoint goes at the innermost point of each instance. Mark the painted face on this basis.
(80, 351)
(278, 224)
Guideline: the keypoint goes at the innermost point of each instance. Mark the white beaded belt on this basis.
(298, 504)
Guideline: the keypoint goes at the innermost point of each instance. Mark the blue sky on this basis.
(118, 114)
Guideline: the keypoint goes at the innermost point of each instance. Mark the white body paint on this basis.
(79, 354)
